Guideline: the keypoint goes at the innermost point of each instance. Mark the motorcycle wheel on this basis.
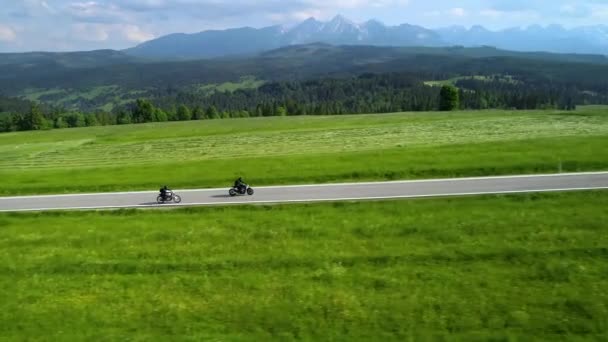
(232, 192)
(177, 199)
(159, 199)
(250, 191)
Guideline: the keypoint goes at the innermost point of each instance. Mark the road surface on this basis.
(318, 193)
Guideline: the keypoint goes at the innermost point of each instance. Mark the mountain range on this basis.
(342, 31)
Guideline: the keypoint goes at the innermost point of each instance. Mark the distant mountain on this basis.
(552, 38)
(342, 31)
(210, 44)
(248, 41)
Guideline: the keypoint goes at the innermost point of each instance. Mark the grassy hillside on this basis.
(507, 79)
(283, 150)
(81, 59)
(517, 268)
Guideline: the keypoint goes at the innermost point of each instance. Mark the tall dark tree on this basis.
(60, 122)
(33, 120)
(449, 98)
(197, 113)
(183, 113)
(123, 118)
(212, 113)
(7, 123)
(75, 120)
(143, 111)
(281, 111)
(91, 120)
(160, 115)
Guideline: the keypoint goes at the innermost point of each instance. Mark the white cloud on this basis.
(349, 4)
(90, 32)
(574, 10)
(600, 14)
(135, 34)
(296, 16)
(453, 12)
(96, 12)
(458, 12)
(432, 14)
(101, 32)
(91, 24)
(491, 13)
(7, 34)
(46, 6)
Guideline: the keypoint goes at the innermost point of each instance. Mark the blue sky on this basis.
(62, 25)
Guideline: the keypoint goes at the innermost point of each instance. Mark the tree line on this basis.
(366, 93)
(381, 93)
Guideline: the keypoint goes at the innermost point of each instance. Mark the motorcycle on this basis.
(170, 196)
(245, 190)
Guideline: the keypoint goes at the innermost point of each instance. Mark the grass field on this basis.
(69, 98)
(247, 82)
(501, 268)
(303, 149)
(452, 81)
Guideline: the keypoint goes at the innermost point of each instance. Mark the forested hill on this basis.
(107, 81)
(85, 71)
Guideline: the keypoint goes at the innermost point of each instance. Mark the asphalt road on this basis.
(317, 193)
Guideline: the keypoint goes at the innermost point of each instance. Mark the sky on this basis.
(69, 25)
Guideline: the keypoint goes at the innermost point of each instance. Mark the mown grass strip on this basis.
(303, 150)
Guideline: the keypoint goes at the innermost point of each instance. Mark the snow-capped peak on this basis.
(340, 24)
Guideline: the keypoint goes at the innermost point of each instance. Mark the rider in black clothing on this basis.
(240, 185)
(163, 192)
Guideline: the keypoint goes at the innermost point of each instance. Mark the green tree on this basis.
(91, 120)
(171, 114)
(281, 111)
(105, 118)
(60, 122)
(197, 113)
(183, 113)
(448, 98)
(124, 118)
(143, 111)
(160, 115)
(258, 110)
(75, 120)
(33, 120)
(7, 123)
(212, 113)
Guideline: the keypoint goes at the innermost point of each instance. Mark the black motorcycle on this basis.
(170, 196)
(243, 190)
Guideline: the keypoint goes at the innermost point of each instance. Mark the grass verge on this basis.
(516, 267)
(303, 150)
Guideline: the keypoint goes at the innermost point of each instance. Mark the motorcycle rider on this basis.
(163, 192)
(240, 185)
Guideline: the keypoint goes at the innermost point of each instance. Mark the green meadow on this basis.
(494, 268)
(309, 149)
